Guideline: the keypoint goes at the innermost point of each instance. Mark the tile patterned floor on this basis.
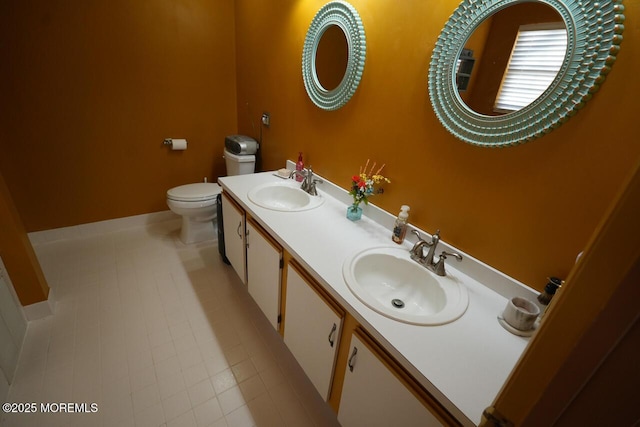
(156, 333)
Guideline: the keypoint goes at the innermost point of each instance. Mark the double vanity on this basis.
(384, 340)
(387, 334)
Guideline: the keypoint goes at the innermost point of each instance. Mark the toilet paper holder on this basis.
(175, 144)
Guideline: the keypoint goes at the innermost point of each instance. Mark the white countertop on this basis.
(464, 363)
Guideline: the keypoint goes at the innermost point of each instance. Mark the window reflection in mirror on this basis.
(535, 60)
(492, 43)
(332, 56)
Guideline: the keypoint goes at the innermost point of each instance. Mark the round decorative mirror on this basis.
(476, 82)
(333, 55)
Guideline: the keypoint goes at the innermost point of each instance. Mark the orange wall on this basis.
(90, 90)
(526, 210)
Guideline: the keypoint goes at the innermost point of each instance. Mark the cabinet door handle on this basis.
(352, 359)
(333, 331)
(238, 229)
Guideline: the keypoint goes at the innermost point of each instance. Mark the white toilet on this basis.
(196, 203)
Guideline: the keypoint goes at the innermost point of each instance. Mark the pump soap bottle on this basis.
(400, 226)
(299, 167)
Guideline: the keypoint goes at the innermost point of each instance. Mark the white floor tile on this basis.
(163, 351)
(241, 417)
(171, 384)
(157, 334)
(201, 392)
(142, 378)
(145, 398)
(195, 374)
(215, 365)
(176, 405)
(189, 358)
(207, 413)
(236, 354)
(223, 381)
(185, 420)
(167, 368)
(264, 412)
(244, 370)
(150, 417)
(252, 388)
(231, 399)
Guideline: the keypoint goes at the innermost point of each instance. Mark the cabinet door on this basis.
(372, 395)
(311, 330)
(264, 272)
(234, 236)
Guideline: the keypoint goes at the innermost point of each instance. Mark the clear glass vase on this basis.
(354, 212)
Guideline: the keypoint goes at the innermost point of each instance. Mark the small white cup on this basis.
(521, 313)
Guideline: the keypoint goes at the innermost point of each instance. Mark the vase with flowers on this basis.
(363, 186)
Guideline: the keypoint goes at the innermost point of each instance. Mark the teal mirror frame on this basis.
(346, 17)
(594, 34)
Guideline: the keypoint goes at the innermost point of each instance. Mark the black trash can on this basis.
(221, 230)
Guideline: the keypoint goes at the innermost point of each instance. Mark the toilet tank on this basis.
(239, 164)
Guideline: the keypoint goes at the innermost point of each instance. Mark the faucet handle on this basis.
(417, 234)
(312, 187)
(444, 255)
(438, 268)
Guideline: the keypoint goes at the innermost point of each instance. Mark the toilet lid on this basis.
(194, 192)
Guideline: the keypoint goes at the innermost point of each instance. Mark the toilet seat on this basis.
(198, 192)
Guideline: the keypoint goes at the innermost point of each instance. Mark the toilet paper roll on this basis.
(178, 144)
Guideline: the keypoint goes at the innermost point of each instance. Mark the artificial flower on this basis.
(364, 184)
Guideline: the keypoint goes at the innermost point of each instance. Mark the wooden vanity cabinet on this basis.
(255, 256)
(264, 271)
(377, 392)
(312, 328)
(234, 236)
(362, 382)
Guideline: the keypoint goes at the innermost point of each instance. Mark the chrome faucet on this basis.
(417, 253)
(308, 182)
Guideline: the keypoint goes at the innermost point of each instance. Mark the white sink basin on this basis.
(284, 196)
(388, 281)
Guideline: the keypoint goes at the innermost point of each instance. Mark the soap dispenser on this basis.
(299, 167)
(400, 226)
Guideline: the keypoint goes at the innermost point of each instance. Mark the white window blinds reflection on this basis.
(537, 55)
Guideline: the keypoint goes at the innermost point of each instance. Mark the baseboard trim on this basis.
(100, 227)
(40, 309)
